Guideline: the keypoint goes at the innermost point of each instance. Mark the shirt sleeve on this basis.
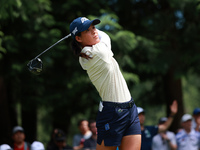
(104, 38)
(173, 139)
(153, 143)
(76, 140)
(101, 50)
(155, 130)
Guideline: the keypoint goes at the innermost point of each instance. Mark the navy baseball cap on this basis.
(81, 24)
(196, 111)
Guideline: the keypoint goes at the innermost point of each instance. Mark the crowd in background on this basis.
(155, 137)
(186, 138)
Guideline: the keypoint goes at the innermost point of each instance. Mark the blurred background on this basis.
(156, 43)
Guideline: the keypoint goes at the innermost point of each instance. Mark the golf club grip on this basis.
(53, 45)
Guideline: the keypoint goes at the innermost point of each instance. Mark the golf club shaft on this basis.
(53, 45)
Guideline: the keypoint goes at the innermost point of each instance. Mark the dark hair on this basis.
(75, 46)
(91, 121)
(80, 121)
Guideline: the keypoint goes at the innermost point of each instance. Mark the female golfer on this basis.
(117, 121)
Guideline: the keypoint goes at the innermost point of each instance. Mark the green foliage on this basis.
(126, 41)
(109, 22)
(2, 50)
(148, 38)
(167, 37)
(191, 92)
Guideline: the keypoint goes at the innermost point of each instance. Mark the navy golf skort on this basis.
(116, 120)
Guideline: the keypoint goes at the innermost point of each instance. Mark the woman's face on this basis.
(88, 37)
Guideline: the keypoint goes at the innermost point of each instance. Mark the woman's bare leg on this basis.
(131, 142)
(103, 147)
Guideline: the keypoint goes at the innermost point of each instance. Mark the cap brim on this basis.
(186, 120)
(95, 21)
(18, 131)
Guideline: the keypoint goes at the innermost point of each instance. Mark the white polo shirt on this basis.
(160, 144)
(187, 141)
(104, 72)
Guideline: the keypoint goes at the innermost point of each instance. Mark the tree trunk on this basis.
(7, 113)
(61, 120)
(173, 91)
(4, 114)
(29, 122)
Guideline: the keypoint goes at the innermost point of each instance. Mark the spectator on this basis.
(148, 132)
(85, 133)
(90, 144)
(5, 147)
(36, 145)
(196, 119)
(187, 138)
(52, 140)
(18, 137)
(59, 141)
(165, 140)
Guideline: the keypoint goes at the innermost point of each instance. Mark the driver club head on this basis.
(35, 66)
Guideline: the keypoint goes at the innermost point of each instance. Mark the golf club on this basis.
(35, 65)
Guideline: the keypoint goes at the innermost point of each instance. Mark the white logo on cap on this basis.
(83, 19)
(74, 31)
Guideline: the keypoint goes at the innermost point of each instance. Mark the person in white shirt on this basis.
(196, 119)
(36, 145)
(164, 140)
(117, 121)
(5, 147)
(187, 138)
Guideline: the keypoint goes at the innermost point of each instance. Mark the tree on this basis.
(153, 56)
(24, 25)
(27, 28)
(171, 27)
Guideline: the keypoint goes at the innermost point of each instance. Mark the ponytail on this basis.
(76, 47)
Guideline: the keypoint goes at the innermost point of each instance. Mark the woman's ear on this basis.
(78, 39)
